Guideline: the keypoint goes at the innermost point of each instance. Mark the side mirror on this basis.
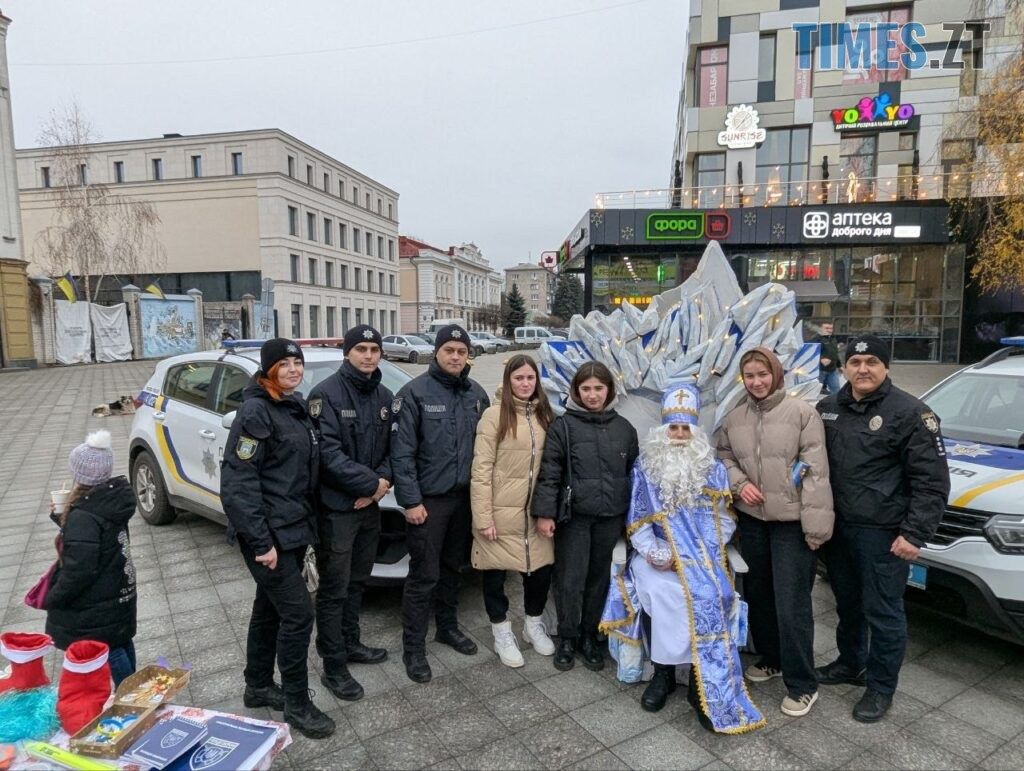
(228, 419)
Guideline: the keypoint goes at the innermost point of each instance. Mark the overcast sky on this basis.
(496, 122)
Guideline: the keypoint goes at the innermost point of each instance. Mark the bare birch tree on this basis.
(95, 232)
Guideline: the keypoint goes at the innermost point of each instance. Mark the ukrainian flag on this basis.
(66, 284)
(154, 288)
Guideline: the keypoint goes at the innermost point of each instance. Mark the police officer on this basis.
(353, 412)
(432, 459)
(889, 483)
(267, 487)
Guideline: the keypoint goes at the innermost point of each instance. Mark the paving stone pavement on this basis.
(960, 702)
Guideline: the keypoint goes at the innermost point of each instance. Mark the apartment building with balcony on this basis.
(536, 285)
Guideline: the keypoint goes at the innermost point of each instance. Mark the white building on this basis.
(536, 285)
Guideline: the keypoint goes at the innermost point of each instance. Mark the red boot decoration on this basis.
(25, 651)
(84, 684)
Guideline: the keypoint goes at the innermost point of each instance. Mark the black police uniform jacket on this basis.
(269, 473)
(432, 446)
(92, 595)
(354, 414)
(887, 461)
(603, 447)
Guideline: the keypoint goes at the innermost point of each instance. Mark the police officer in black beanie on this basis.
(432, 458)
(353, 410)
(889, 483)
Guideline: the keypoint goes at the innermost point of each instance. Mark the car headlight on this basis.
(1006, 533)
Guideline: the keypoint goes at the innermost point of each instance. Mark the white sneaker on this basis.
(761, 673)
(506, 646)
(800, 706)
(535, 633)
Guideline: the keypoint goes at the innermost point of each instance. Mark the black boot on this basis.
(302, 714)
(872, 706)
(417, 667)
(693, 696)
(662, 684)
(364, 654)
(565, 656)
(339, 682)
(456, 639)
(839, 674)
(269, 696)
(593, 657)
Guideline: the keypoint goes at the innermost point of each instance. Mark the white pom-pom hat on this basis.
(92, 462)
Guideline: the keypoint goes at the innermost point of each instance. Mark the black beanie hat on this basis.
(452, 333)
(868, 345)
(277, 348)
(363, 333)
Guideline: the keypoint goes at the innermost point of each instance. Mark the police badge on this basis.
(246, 447)
(930, 422)
(396, 405)
(875, 423)
(315, 407)
(383, 413)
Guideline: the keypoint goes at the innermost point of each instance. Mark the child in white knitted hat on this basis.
(92, 595)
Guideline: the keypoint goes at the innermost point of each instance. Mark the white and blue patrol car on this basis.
(181, 424)
(973, 569)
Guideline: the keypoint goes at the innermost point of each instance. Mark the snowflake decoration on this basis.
(750, 219)
(778, 230)
(596, 218)
(627, 233)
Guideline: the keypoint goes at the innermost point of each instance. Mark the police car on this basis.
(973, 569)
(181, 425)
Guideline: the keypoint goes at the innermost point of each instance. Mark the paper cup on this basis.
(60, 500)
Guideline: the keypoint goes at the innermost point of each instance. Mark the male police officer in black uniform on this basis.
(432, 456)
(889, 483)
(353, 411)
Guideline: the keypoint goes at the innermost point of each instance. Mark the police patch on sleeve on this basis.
(396, 405)
(246, 447)
(930, 421)
(315, 407)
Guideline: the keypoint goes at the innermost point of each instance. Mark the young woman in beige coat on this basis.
(509, 443)
(773, 446)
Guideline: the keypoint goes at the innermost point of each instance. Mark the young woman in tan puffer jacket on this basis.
(773, 446)
(509, 443)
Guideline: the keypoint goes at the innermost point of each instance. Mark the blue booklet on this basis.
(166, 741)
(230, 745)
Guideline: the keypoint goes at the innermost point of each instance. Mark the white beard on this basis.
(678, 470)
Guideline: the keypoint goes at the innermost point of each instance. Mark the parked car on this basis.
(534, 336)
(437, 324)
(488, 343)
(410, 348)
(181, 424)
(428, 336)
(973, 569)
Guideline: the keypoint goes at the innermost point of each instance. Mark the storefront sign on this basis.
(876, 113)
(677, 225)
(855, 225)
(741, 128)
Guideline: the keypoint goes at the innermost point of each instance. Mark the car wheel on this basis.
(413, 357)
(150, 492)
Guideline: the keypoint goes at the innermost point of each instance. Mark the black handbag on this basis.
(565, 499)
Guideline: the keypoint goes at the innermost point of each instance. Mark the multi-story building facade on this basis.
(457, 282)
(536, 285)
(836, 181)
(239, 207)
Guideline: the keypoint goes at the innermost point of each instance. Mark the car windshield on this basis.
(981, 408)
(392, 377)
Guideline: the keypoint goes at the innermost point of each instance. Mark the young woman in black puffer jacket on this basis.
(601, 447)
(92, 594)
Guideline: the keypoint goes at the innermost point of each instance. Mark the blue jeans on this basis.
(122, 662)
(830, 380)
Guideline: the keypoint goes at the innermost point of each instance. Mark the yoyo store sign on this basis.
(680, 225)
(873, 113)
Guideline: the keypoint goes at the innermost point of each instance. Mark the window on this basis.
(370, 317)
(908, 140)
(394, 320)
(291, 166)
(873, 74)
(330, 320)
(367, 201)
(380, 206)
(380, 246)
(342, 236)
(391, 284)
(956, 160)
(391, 211)
(708, 179)
(369, 244)
(343, 275)
(391, 250)
(236, 163)
(355, 240)
(781, 174)
(119, 171)
(344, 320)
(83, 174)
(190, 383)
(293, 221)
(906, 187)
(856, 158)
(714, 77)
(766, 69)
(355, 193)
(158, 168)
(309, 174)
(44, 173)
(974, 61)
(359, 316)
(311, 278)
(197, 166)
(295, 268)
(328, 231)
(311, 226)
(228, 394)
(314, 321)
(358, 277)
(327, 181)
(328, 274)
(296, 321)
(341, 188)
(380, 282)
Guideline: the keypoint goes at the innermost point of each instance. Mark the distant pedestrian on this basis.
(773, 446)
(506, 459)
(828, 362)
(581, 499)
(432, 460)
(890, 483)
(92, 594)
(268, 488)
